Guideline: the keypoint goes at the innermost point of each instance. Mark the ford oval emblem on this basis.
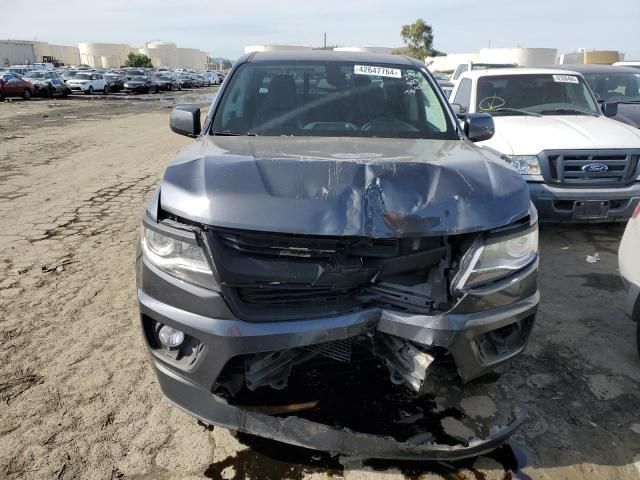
(595, 168)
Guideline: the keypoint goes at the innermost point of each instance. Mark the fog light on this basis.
(170, 337)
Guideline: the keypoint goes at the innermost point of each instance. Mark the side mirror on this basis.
(185, 120)
(479, 127)
(609, 109)
(459, 110)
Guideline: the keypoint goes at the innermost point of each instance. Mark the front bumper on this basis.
(203, 315)
(556, 204)
(78, 88)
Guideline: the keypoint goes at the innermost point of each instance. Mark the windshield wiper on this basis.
(515, 110)
(228, 133)
(569, 111)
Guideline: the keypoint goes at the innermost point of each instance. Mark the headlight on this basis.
(496, 258)
(524, 164)
(182, 260)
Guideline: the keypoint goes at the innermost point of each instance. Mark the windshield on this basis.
(332, 99)
(35, 75)
(545, 94)
(69, 73)
(138, 79)
(615, 87)
(83, 76)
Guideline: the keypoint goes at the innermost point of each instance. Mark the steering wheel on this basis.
(388, 123)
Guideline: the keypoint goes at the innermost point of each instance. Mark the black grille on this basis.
(291, 246)
(268, 276)
(291, 295)
(608, 168)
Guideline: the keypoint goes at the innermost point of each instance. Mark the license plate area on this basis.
(591, 209)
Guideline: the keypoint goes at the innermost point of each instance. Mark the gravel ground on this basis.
(81, 401)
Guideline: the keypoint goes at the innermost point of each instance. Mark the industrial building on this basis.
(99, 55)
(24, 52)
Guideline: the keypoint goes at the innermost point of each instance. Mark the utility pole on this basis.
(325, 40)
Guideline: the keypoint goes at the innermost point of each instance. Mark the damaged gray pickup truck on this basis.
(332, 214)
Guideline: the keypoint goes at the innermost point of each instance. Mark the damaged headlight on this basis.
(524, 164)
(497, 257)
(180, 259)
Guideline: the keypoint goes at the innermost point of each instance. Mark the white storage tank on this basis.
(162, 54)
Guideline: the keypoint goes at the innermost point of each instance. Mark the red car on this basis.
(14, 86)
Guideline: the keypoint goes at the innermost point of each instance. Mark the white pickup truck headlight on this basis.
(524, 164)
(497, 257)
(182, 260)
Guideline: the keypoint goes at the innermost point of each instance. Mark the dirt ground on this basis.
(79, 398)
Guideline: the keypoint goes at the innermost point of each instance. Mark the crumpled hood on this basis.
(531, 135)
(343, 186)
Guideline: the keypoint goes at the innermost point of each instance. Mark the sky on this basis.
(224, 28)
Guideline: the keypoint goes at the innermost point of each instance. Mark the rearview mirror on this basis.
(609, 109)
(185, 120)
(479, 127)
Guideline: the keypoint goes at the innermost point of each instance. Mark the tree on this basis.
(139, 60)
(418, 37)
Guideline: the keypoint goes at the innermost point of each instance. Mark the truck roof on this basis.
(515, 71)
(328, 56)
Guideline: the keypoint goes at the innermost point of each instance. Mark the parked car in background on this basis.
(12, 85)
(115, 81)
(373, 224)
(185, 80)
(611, 84)
(219, 78)
(140, 84)
(88, 83)
(580, 165)
(131, 73)
(166, 83)
(19, 69)
(47, 83)
(629, 263)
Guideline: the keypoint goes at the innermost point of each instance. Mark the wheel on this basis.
(170, 88)
(157, 90)
(49, 92)
(26, 94)
(179, 86)
(90, 91)
(106, 90)
(1, 95)
(66, 92)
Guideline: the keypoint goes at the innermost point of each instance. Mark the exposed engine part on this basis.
(274, 368)
(407, 363)
(339, 350)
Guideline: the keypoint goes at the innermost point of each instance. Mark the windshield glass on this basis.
(332, 99)
(138, 79)
(83, 76)
(546, 94)
(35, 75)
(615, 87)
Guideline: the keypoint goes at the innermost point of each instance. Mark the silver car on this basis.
(629, 260)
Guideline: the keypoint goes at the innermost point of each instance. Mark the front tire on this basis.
(90, 91)
(26, 94)
(106, 90)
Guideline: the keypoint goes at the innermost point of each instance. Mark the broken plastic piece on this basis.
(595, 258)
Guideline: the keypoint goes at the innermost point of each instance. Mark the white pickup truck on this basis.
(580, 165)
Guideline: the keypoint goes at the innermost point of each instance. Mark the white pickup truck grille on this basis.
(590, 168)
